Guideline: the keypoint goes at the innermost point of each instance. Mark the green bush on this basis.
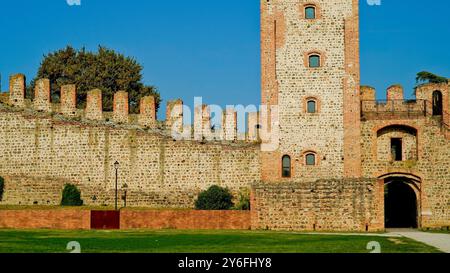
(2, 187)
(244, 201)
(71, 196)
(215, 198)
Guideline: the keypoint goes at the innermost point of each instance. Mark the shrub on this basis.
(2, 187)
(215, 198)
(71, 196)
(244, 201)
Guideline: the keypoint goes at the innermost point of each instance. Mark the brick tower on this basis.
(310, 70)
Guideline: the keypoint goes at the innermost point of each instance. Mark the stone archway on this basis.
(401, 203)
(438, 103)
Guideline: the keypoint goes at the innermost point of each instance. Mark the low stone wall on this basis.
(45, 219)
(190, 219)
(73, 219)
(324, 205)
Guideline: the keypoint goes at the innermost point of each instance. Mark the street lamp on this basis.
(116, 166)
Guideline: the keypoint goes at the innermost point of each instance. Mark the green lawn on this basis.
(176, 241)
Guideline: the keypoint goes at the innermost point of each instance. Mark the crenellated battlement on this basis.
(200, 130)
(431, 100)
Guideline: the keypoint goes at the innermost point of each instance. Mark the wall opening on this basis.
(401, 208)
(397, 143)
(437, 103)
(397, 149)
(286, 166)
(310, 12)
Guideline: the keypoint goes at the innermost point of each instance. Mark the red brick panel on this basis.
(172, 219)
(45, 219)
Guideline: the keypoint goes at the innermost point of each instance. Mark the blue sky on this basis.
(211, 48)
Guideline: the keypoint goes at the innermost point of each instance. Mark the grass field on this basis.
(175, 241)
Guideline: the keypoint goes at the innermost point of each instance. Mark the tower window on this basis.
(310, 159)
(312, 107)
(286, 166)
(310, 12)
(397, 149)
(314, 61)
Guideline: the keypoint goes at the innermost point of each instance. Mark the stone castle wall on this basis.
(44, 146)
(40, 151)
(324, 205)
(426, 149)
(429, 165)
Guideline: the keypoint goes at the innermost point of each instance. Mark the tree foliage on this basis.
(244, 201)
(215, 198)
(428, 77)
(71, 196)
(106, 70)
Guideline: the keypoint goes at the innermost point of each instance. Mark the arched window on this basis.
(286, 166)
(310, 12)
(310, 159)
(437, 103)
(311, 107)
(314, 60)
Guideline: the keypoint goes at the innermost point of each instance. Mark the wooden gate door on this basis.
(105, 219)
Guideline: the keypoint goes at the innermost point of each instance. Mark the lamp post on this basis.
(116, 166)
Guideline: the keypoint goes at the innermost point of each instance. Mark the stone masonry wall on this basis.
(324, 205)
(287, 39)
(431, 168)
(39, 153)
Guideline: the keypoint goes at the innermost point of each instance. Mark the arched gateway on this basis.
(401, 201)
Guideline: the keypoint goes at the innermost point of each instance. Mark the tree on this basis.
(71, 196)
(427, 77)
(244, 201)
(106, 70)
(215, 198)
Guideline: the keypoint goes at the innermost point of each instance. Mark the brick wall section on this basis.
(351, 97)
(202, 122)
(45, 219)
(368, 93)
(121, 107)
(252, 130)
(135, 219)
(94, 105)
(80, 219)
(273, 29)
(69, 100)
(147, 116)
(325, 205)
(230, 124)
(425, 92)
(174, 116)
(42, 95)
(395, 92)
(17, 86)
